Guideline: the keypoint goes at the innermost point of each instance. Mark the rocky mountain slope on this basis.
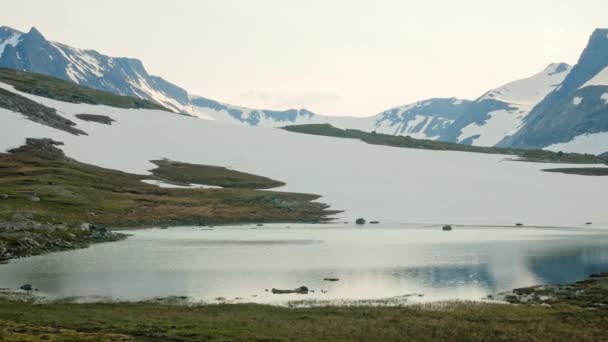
(485, 121)
(575, 111)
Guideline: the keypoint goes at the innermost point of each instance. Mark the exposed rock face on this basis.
(44, 148)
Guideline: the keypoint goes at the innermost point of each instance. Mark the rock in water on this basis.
(299, 290)
(360, 221)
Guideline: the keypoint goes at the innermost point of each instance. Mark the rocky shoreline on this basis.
(591, 293)
(25, 237)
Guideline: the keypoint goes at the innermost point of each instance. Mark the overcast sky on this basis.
(332, 57)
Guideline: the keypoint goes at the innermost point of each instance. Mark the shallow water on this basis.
(374, 262)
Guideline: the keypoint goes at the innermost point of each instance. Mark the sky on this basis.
(334, 57)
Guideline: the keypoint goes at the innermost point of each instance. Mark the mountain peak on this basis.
(600, 32)
(35, 33)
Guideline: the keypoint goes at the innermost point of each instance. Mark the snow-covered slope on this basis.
(376, 182)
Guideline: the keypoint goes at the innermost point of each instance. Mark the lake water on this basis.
(408, 263)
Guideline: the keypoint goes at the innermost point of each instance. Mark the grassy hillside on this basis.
(39, 180)
(185, 174)
(61, 90)
(408, 142)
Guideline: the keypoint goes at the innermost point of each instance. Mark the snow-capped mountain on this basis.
(124, 76)
(496, 114)
(559, 105)
(32, 52)
(575, 116)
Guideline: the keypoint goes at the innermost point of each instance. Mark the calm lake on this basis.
(408, 263)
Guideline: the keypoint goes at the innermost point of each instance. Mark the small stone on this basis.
(360, 221)
(446, 228)
(519, 224)
(331, 279)
(34, 199)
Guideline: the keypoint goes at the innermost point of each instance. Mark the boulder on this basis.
(299, 290)
(446, 228)
(34, 199)
(331, 279)
(589, 223)
(3, 196)
(85, 226)
(360, 221)
(519, 225)
(374, 222)
(27, 287)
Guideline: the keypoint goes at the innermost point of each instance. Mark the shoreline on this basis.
(172, 319)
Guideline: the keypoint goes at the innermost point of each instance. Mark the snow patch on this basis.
(501, 123)
(595, 143)
(601, 78)
(13, 41)
(162, 184)
(577, 100)
(604, 97)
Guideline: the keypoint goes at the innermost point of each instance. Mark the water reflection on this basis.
(238, 262)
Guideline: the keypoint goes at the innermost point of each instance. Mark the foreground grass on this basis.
(40, 182)
(157, 322)
(408, 142)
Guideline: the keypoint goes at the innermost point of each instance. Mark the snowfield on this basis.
(595, 143)
(376, 182)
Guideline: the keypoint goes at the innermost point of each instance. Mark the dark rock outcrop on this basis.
(299, 290)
